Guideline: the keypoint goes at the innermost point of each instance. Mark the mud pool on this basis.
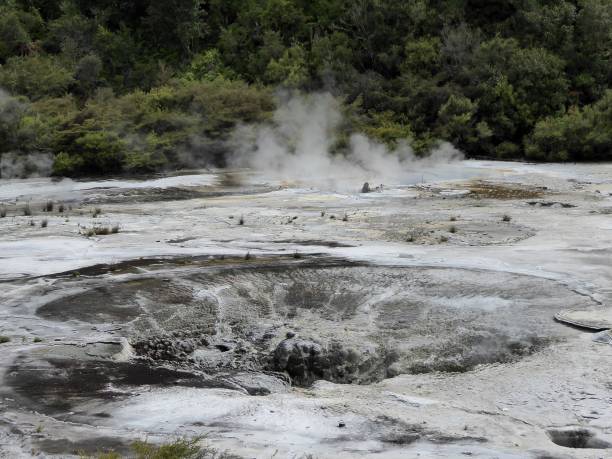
(462, 314)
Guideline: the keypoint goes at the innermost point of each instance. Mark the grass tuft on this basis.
(241, 220)
(96, 212)
(48, 207)
(4, 339)
(2, 212)
(452, 229)
(27, 211)
(44, 223)
(506, 218)
(100, 231)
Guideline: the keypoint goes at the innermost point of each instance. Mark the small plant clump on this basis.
(96, 212)
(506, 218)
(443, 239)
(241, 220)
(100, 231)
(27, 211)
(452, 229)
(44, 223)
(248, 256)
(61, 208)
(297, 255)
(2, 212)
(345, 218)
(178, 449)
(32, 223)
(4, 339)
(453, 219)
(48, 207)
(38, 340)
(322, 213)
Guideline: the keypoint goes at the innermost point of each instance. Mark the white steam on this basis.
(298, 145)
(22, 165)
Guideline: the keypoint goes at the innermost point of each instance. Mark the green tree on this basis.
(35, 76)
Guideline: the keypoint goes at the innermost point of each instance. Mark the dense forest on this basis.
(118, 86)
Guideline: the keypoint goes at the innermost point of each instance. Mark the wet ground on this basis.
(464, 315)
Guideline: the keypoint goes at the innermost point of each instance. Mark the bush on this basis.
(35, 76)
(578, 135)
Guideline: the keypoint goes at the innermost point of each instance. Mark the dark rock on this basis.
(306, 361)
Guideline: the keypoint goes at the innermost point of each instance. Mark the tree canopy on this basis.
(112, 86)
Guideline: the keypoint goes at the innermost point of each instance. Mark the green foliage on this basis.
(14, 38)
(581, 134)
(35, 76)
(208, 66)
(138, 86)
(290, 69)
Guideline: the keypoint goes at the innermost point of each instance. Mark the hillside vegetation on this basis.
(113, 86)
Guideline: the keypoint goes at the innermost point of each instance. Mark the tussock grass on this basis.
(44, 223)
(100, 230)
(2, 212)
(4, 339)
(506, 218)
(178, 449)
(48, 207)
(27, 210)
(452, 229)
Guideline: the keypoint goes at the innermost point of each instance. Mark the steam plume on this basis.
(298, 146)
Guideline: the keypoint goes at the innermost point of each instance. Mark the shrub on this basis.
(35, 76)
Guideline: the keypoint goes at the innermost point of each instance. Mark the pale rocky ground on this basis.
(432, 314)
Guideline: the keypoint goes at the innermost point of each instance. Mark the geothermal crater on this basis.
(306, 320)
